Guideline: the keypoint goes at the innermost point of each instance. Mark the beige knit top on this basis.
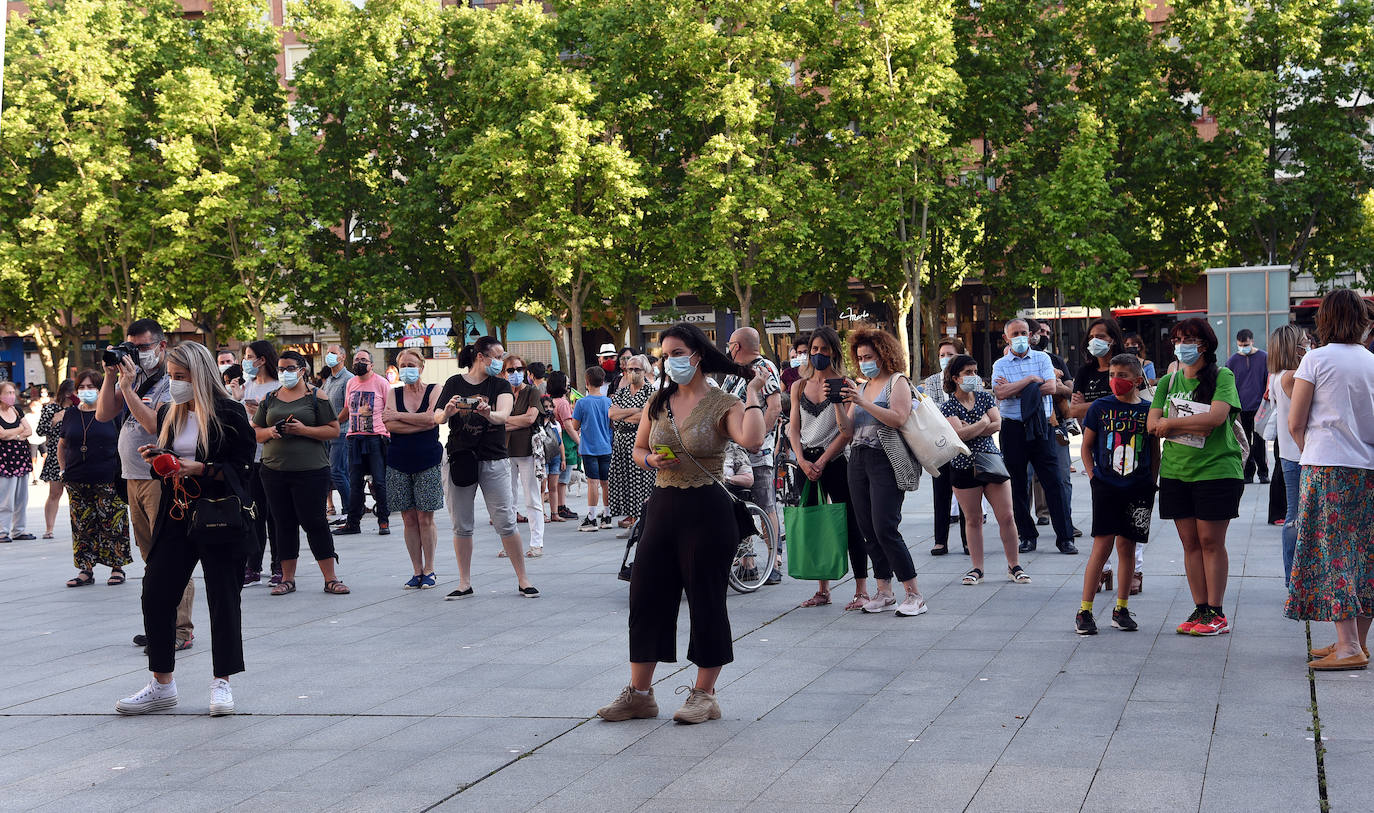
(703, 432)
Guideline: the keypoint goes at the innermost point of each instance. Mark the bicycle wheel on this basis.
(754, 555)
(786, 476)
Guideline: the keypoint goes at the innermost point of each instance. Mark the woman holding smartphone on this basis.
(259, 379)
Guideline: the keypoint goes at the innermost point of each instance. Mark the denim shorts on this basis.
(597, 466)
(554, 466)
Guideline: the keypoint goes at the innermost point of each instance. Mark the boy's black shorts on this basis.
(1122, 511)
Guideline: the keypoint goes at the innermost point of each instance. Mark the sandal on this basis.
(336, 587)
(860, 599)
(83, 578)
(821, 599)
(502, 555)
(116, 577)
(972, 577)
(939, 550)
(47, 535)
(1016, 574)
(283, 587)
(534, 553)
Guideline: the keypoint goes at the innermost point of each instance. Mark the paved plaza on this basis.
(392, 700)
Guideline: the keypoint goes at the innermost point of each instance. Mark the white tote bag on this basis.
(929, 435)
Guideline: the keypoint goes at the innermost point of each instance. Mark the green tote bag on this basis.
(817, 537)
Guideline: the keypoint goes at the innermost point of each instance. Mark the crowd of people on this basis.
(222, 460)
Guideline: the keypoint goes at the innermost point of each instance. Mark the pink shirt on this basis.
(366, 400)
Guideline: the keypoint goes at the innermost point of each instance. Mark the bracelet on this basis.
(754, 406)
(645, 464)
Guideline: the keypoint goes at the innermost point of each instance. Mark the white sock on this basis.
(641, 694)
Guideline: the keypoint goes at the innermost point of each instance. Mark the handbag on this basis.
(817, 537)
(989, 467)
(743, 519)
(929, 435)
(906, 471)
(224, 520)
(1241, 438)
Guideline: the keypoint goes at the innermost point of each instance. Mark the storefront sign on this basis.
(780, 327)
(429, 332)
(661, 318)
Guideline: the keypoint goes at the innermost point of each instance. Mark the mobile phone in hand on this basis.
(664, 451)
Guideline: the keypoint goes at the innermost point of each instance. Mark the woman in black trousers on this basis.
(209, 434)
(690, 535)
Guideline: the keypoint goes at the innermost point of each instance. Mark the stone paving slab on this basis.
(393, 700)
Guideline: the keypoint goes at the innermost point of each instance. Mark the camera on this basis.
(115, 354)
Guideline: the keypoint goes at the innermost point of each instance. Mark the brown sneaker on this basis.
(630, 705)
(701, 706)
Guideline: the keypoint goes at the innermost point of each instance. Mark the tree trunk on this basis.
(630, 323)
(259, 323)
(902, 306)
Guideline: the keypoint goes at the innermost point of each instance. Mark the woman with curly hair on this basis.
(883, 401)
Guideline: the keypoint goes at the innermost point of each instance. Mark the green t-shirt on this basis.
(295, 452)
(1219, 457)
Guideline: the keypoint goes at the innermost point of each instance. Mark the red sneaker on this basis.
(1211, 625)
(1186, 628)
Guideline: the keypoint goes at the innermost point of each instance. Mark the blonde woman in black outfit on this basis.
(209, 434)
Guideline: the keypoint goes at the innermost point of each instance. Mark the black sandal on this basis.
(939, 550)
(116, 577)
(83, 578)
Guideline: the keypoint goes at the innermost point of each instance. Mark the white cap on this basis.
(606, 350)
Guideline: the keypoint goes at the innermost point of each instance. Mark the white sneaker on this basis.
(912, 605)
(154, 697)
(880, 603)
(221, 698)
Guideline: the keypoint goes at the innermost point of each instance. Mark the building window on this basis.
(294, 55)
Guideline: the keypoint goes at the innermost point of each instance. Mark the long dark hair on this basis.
(558, 384)
(1198, 330)
(712, 361)
(831, 339)
(1114, 333)
(267, 357)
(952, 370)
(468, 355)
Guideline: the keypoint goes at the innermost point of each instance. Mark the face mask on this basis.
(148, 359)
(290, 379)
(88, 396)
(680, 368)
(180, 391)
(7, 399)
(870, 369)
(1245, 349)
(409, 375)
(224, 368)
(1121, 387)
(516, 379)
(1020, 344)
(331, 359)
(1187, 354)
(608, 365)
(249, 368)
(820, 362)
(798, 361)
(969, 383)
(944, 362)
(1135, 351)
(360, 368)
(494, 367)
(1042, 342)
(1098, 347)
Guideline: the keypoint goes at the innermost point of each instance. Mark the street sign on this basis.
(779, 327)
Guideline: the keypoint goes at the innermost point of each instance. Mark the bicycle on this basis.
(744, 575)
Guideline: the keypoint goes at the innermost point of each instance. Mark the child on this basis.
(1122, 463)
(554, 464)
(592, 420)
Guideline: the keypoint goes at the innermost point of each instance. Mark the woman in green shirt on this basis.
(1200, 470)
(294, 423)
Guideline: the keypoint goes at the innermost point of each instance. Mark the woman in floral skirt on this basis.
(89, 452)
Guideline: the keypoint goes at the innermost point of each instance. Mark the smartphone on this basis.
(665, 452)
(833, 387)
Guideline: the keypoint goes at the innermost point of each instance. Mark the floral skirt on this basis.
(100, 525)
(1333, 566)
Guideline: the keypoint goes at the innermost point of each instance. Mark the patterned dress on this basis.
(52, 467)
(630, 485)
(1333, 566)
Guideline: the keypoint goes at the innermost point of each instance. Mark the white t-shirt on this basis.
(184, 444)
(1340, 423)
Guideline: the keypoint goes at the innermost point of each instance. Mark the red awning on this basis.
(1149, 311)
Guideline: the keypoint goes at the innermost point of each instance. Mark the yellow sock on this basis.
(1121, 604)
(1085, 605)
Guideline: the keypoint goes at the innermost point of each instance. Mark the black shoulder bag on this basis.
(224, 520)
(743, 519)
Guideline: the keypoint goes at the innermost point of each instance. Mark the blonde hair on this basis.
(410, 351)
(206, 387)
(1285, 348)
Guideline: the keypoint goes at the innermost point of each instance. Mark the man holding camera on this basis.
(135, 386)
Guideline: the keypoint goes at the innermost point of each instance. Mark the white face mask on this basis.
(181, 392)
(148, 360)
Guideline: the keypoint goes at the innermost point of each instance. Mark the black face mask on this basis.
(1042, 343)
(820, 362)
(360, 368)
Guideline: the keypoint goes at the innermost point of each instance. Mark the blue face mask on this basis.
(944, 362)
(88, 396)
(1188, 354)
(798, 361)
(331, 359)
(494, 368)
(290, 379)
(249, 369)
(516, 379)
(680, 368)
(870, 369)
(409, 375)
(1020, 345)
(1098, 347)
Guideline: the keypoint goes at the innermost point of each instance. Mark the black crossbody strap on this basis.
(673, 423)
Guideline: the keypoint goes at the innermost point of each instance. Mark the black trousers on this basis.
(690, 538)
(171, 562)
(1278, 493)
(266, 533)
(296, 499)
(1042, 454)
(944, 500)
(367, 457)
(878, 503)
(834, 484)
(1257, 461)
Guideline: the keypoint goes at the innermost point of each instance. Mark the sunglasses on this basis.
(515, 369)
